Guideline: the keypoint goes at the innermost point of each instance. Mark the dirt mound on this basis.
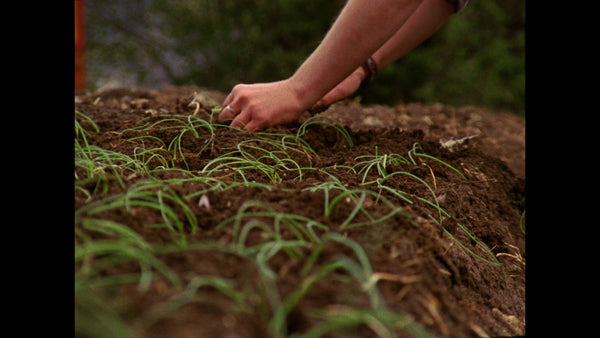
(359, 221)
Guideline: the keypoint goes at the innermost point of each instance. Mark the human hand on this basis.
(345, 88)
(257, 106)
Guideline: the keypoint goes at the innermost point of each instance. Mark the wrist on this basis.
(305, 95)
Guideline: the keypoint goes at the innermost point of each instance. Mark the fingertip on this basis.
(252, 127)
(237, 123)
(323, 102)
(328, 99)
(221, 118)
(229, 98)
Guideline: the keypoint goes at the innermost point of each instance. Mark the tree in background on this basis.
(477, 58)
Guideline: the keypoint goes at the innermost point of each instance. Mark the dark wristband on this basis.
(371, 69)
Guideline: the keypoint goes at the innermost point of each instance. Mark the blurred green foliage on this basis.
(476, 58)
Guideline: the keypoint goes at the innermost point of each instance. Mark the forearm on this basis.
(425, 21)
(361, 28)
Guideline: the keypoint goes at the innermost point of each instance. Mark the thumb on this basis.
(344, 89)
(334, 95)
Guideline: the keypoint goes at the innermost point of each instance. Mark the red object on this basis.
(79, 47)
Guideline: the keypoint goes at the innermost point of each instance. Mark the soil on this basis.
(437, 283)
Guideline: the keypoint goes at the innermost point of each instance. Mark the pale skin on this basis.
(386, 30)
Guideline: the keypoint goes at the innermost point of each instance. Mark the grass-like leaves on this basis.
(103, 244)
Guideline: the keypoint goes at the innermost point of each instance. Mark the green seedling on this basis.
(153, 195)
(326, 121)
(192, 293)
(418, 151)
(363, 193)
(301, 227)
(93, 315)
(79, 131)
(360, 269)
(107, 253)
(239, 161)
(380, 162)
(191, 126)
(285, 143)
(382, 323)
(96, 161)
(146, 155)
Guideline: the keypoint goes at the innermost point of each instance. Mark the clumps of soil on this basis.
(423, 271)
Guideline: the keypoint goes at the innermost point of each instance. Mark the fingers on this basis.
(230, 108)
(238, 120)
(227, 113)
(241, 121)
(254, 125)
(235, 110)
(256, 106)
(230, 97)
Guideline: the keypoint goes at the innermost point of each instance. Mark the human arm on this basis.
(361, 28)
(425, 21)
